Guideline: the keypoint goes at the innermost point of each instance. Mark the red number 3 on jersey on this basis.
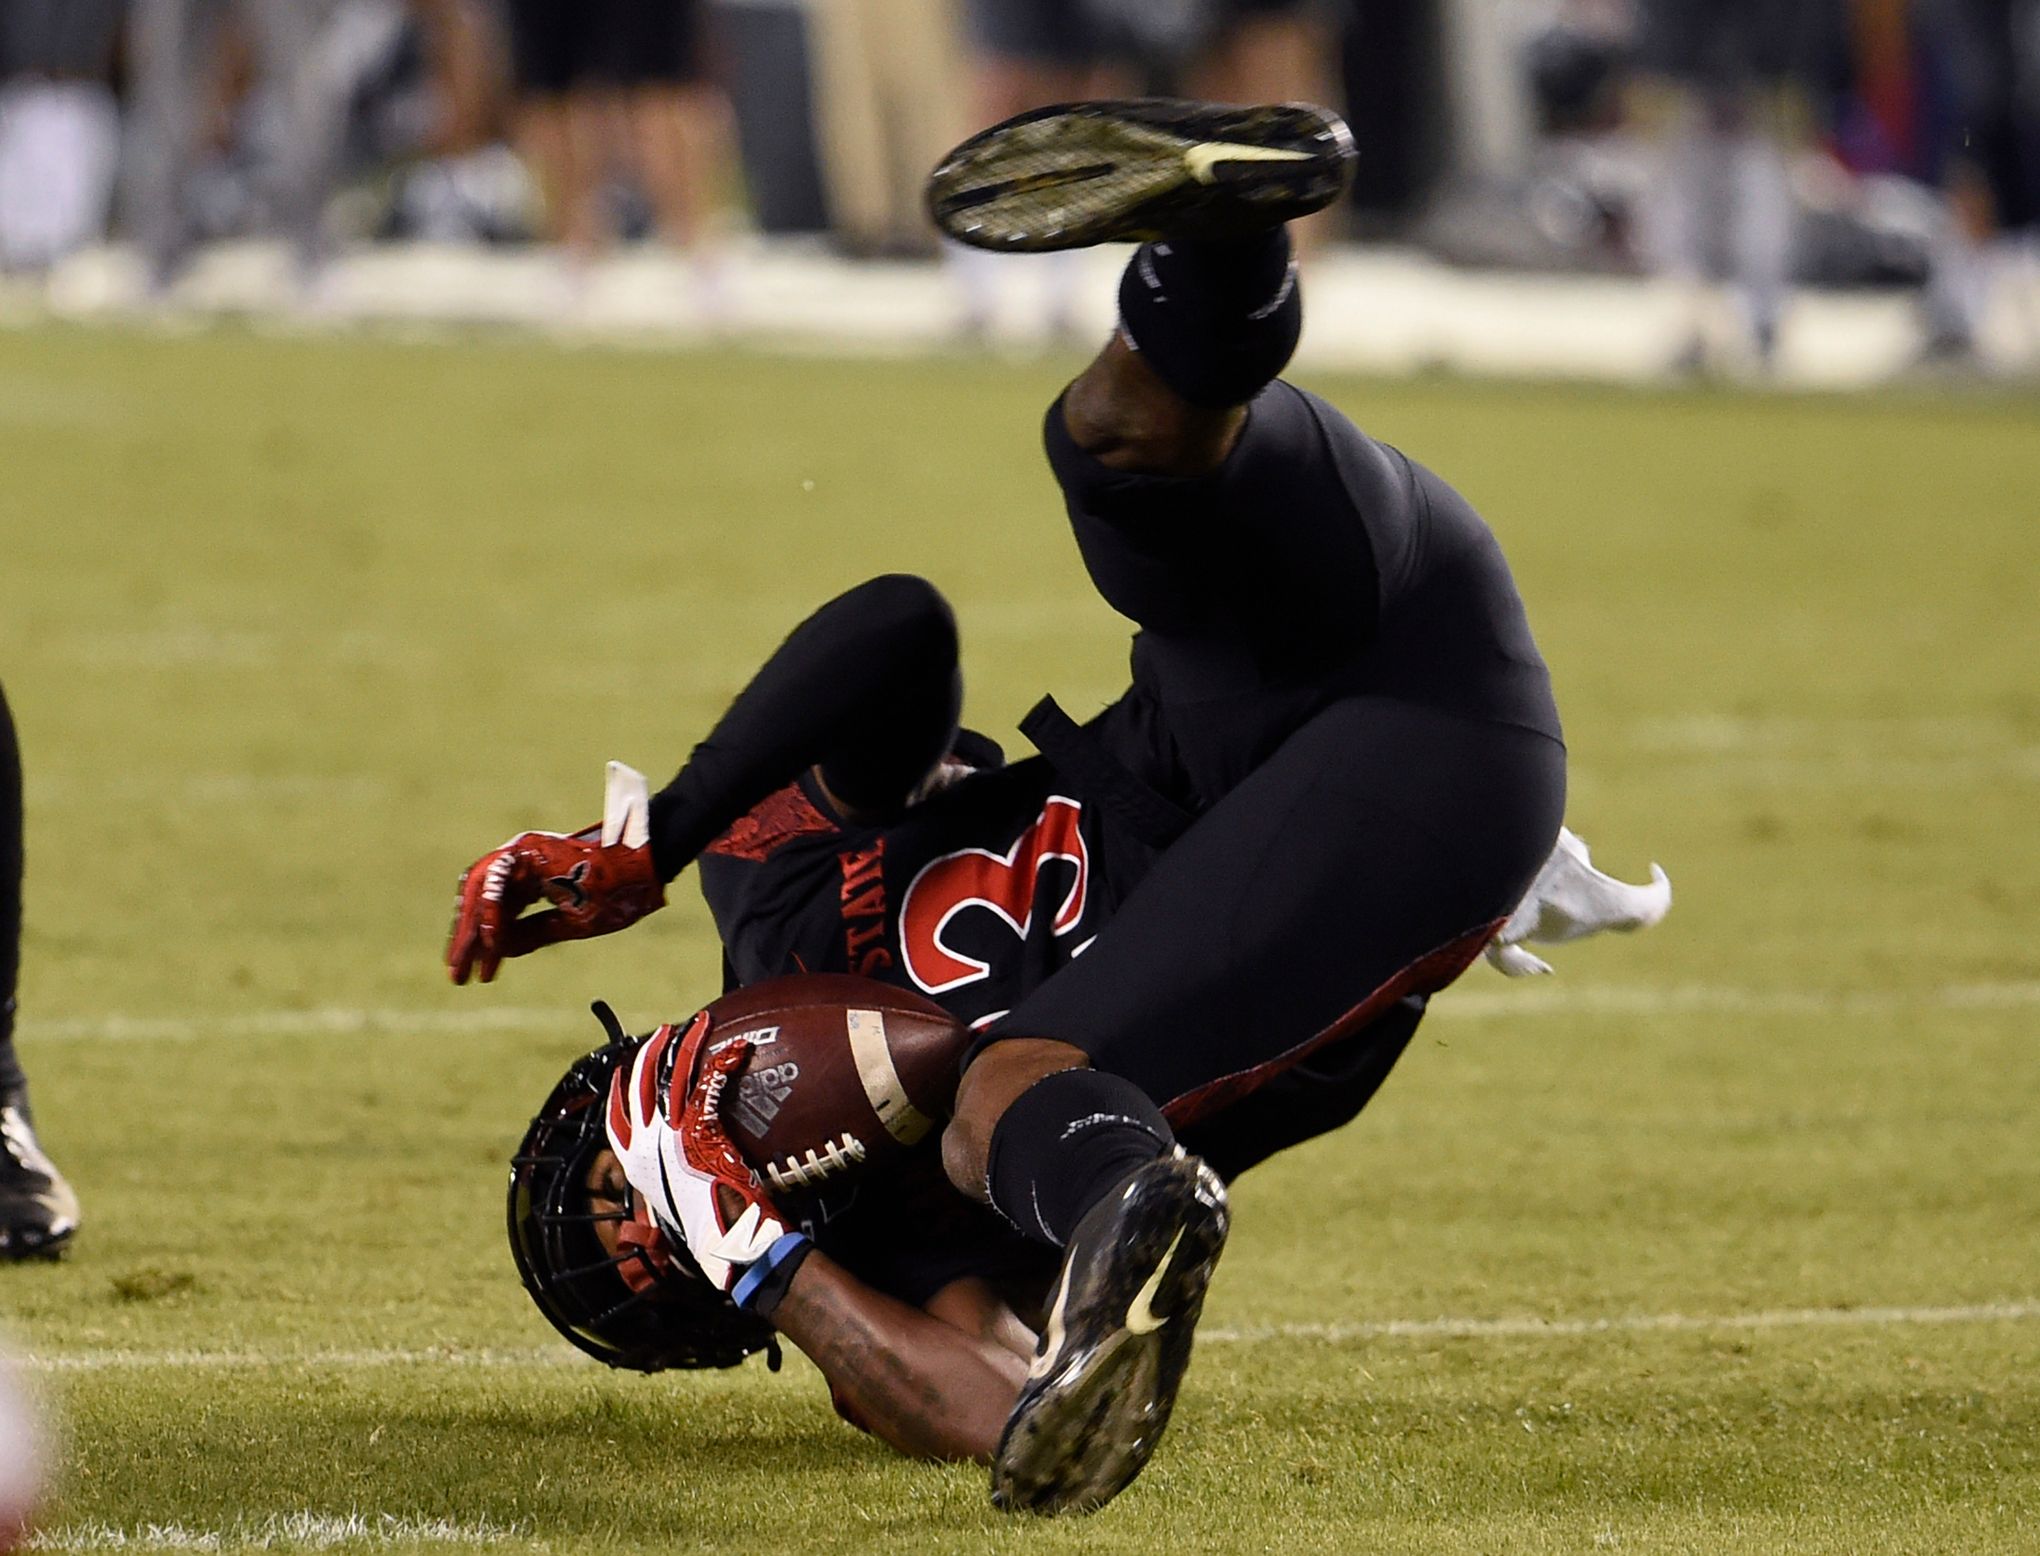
(1004, 883)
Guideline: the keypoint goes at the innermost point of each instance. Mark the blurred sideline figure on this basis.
(1987, 55)
(1273, 51)
(299, 100)
(1027, 54)
(1030, 53)
(59, 127)
(621, 84)
(1724, 91)
(443, 124)
(38, 1211)
(885, 90)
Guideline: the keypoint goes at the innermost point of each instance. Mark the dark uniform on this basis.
(1338, 768)
(1733, 44)
(559, 46)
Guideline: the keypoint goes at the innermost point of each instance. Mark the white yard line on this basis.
(1486, 999)
(1845, 769)
(1551, 997)
(122, 1359)
(302, 1531)
(323, 1021)
(1716, 733)
(1629, 1323)
(549, 1357)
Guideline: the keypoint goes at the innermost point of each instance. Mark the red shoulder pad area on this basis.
(774, 822)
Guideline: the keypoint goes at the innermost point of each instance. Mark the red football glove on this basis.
(679, 1158)
(598, 881)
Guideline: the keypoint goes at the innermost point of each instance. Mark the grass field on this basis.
(294, 629)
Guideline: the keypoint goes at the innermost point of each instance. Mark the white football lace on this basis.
(834, 1157)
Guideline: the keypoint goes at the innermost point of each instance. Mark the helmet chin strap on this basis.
(607, 1016)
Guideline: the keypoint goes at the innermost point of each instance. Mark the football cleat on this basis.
(38, 1211)
(1076, 174)
(1117, 1340)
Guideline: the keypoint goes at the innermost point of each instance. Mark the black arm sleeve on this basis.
(867, 688)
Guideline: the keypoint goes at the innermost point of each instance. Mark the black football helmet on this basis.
(679, 1320)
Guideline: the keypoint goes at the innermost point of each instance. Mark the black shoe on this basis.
(1083, 173)
(38, 1211)
(1117, 1341)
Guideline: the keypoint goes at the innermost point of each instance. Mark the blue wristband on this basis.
(762, 1284)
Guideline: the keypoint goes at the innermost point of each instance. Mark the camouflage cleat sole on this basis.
(1082, 173)
(1117, 1341)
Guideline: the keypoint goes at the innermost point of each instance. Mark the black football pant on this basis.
(10, 894)
(1350, 849)
(1369, 859)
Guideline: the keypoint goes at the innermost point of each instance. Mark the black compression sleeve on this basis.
(867, 688)
(10, 893)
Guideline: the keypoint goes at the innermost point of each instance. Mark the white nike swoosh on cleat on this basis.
(1053, 1334)
(1203, 159)
(1140, 1313)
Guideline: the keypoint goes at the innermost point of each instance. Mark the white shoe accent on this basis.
(20, 1142)
(1140, 1314)
(1203, 159)
(1053, 1334)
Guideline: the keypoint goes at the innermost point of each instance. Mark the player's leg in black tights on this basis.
(38, 1212)
(1368, 859)
(867, 689)
(11, 1082)
(1346, 835)
(1315, 1096)
(1204, 327)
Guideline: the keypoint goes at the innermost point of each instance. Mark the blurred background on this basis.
(1829, 192)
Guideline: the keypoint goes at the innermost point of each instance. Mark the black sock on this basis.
(10, 894)
(1064, 1143)
(1215, 320)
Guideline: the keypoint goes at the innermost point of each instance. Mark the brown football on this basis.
(844, 1072)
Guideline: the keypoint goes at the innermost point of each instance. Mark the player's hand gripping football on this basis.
(597, 881)
(680, 1156)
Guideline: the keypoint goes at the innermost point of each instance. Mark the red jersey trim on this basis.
(1426, 975)
(775, 821)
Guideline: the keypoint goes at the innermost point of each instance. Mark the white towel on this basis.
(1570, 900)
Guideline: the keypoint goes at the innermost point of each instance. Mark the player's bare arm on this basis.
(935, 1384)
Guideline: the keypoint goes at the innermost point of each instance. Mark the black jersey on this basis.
(974, 896)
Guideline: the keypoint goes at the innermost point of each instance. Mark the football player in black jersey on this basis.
(1337, 769)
